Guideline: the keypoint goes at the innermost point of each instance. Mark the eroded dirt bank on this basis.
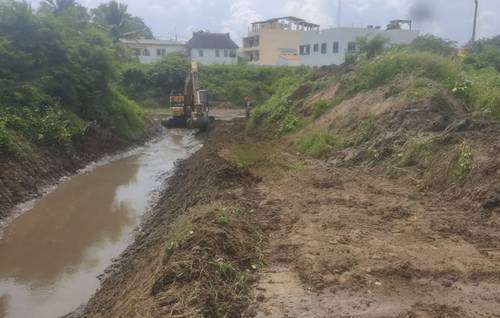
(25, 176)
(250, 228)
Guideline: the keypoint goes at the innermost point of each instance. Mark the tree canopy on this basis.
(114, 18)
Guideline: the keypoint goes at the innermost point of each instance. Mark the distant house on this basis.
(329, 46)
(268, 41)
(149, 51)
(212, 48)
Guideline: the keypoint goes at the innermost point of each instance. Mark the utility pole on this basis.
(339, 13)
(474, 29)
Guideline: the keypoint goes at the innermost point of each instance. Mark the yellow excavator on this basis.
(191, 109)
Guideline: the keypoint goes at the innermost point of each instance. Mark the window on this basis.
(226, 53)
(217, 53)
(323, 48)
(137, 52)
(335, 47)
(146, 52)
(305, 50)
(351, 46)
(200, 52)
(232, 53)
(316, 48)
(161, 52)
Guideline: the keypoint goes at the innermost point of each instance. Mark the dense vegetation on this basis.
(427, 67)
(231, 83)
(58, 73)
(151, 84)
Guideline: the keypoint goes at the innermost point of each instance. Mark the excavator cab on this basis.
(191, 109)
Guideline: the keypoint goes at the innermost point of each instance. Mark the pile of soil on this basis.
(26, 176)
(197, 251)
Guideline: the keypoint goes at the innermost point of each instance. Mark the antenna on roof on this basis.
(339, 13)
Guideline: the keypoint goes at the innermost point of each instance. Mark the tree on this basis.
(57, 6)
(434, 44)
(371, 47)
(114, 18)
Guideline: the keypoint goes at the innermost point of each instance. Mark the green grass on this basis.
(385, 68)
(463, 164)
(248, 155)
(319, 143)
(210, 255)
(417, 151)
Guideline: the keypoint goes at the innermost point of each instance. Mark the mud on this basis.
(146, 282)
(336, 242)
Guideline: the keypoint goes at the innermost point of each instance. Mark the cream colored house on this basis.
(269, 40)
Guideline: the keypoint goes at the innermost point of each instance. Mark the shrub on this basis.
(317, 144)
(463, 164)
(231, 83)
(434, 44)
(399, 63)
(416, 151)
(279, 110)
(483, 92)
(50, 125)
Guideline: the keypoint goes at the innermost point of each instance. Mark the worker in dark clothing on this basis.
(248, 105)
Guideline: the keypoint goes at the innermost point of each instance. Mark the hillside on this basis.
(368, 190)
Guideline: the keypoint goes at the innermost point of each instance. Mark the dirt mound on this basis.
(434, 142)
(197, 251)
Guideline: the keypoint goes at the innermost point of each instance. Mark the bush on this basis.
(433, 44)
(484, 54)
(231, 83)
(317, 144)
(57, 72)
(484, 92)
(152, 84)
(463, 164)
(384, 69)
(279, 110)
(50, 125)
(417, 151)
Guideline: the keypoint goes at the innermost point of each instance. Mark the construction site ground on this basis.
(338, 242)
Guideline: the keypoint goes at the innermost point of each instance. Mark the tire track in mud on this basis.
(351, 244)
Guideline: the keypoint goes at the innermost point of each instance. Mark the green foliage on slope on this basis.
(56, 73)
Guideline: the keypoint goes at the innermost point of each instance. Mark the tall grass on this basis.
(399, 62)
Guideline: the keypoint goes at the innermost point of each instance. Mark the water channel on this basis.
(52, 254)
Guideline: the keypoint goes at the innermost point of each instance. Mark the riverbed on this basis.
(52, 254)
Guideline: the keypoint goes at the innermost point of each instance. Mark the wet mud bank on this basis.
(25, 177)
(197, 252)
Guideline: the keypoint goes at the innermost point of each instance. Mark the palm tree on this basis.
(114, 18)
(57, 6)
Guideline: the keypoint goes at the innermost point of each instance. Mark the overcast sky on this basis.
(452, 18)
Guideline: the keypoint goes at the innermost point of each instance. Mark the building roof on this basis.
(152, 42)
(289, 18)
(207, 40)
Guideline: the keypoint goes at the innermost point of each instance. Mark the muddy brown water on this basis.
(52, 254)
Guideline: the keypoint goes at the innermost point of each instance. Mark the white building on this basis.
(212, 48)
(329, 46)
(149, 51)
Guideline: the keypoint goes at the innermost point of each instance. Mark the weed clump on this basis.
(417, 151)
(317, 144)
(208, 262)
(463, 164)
